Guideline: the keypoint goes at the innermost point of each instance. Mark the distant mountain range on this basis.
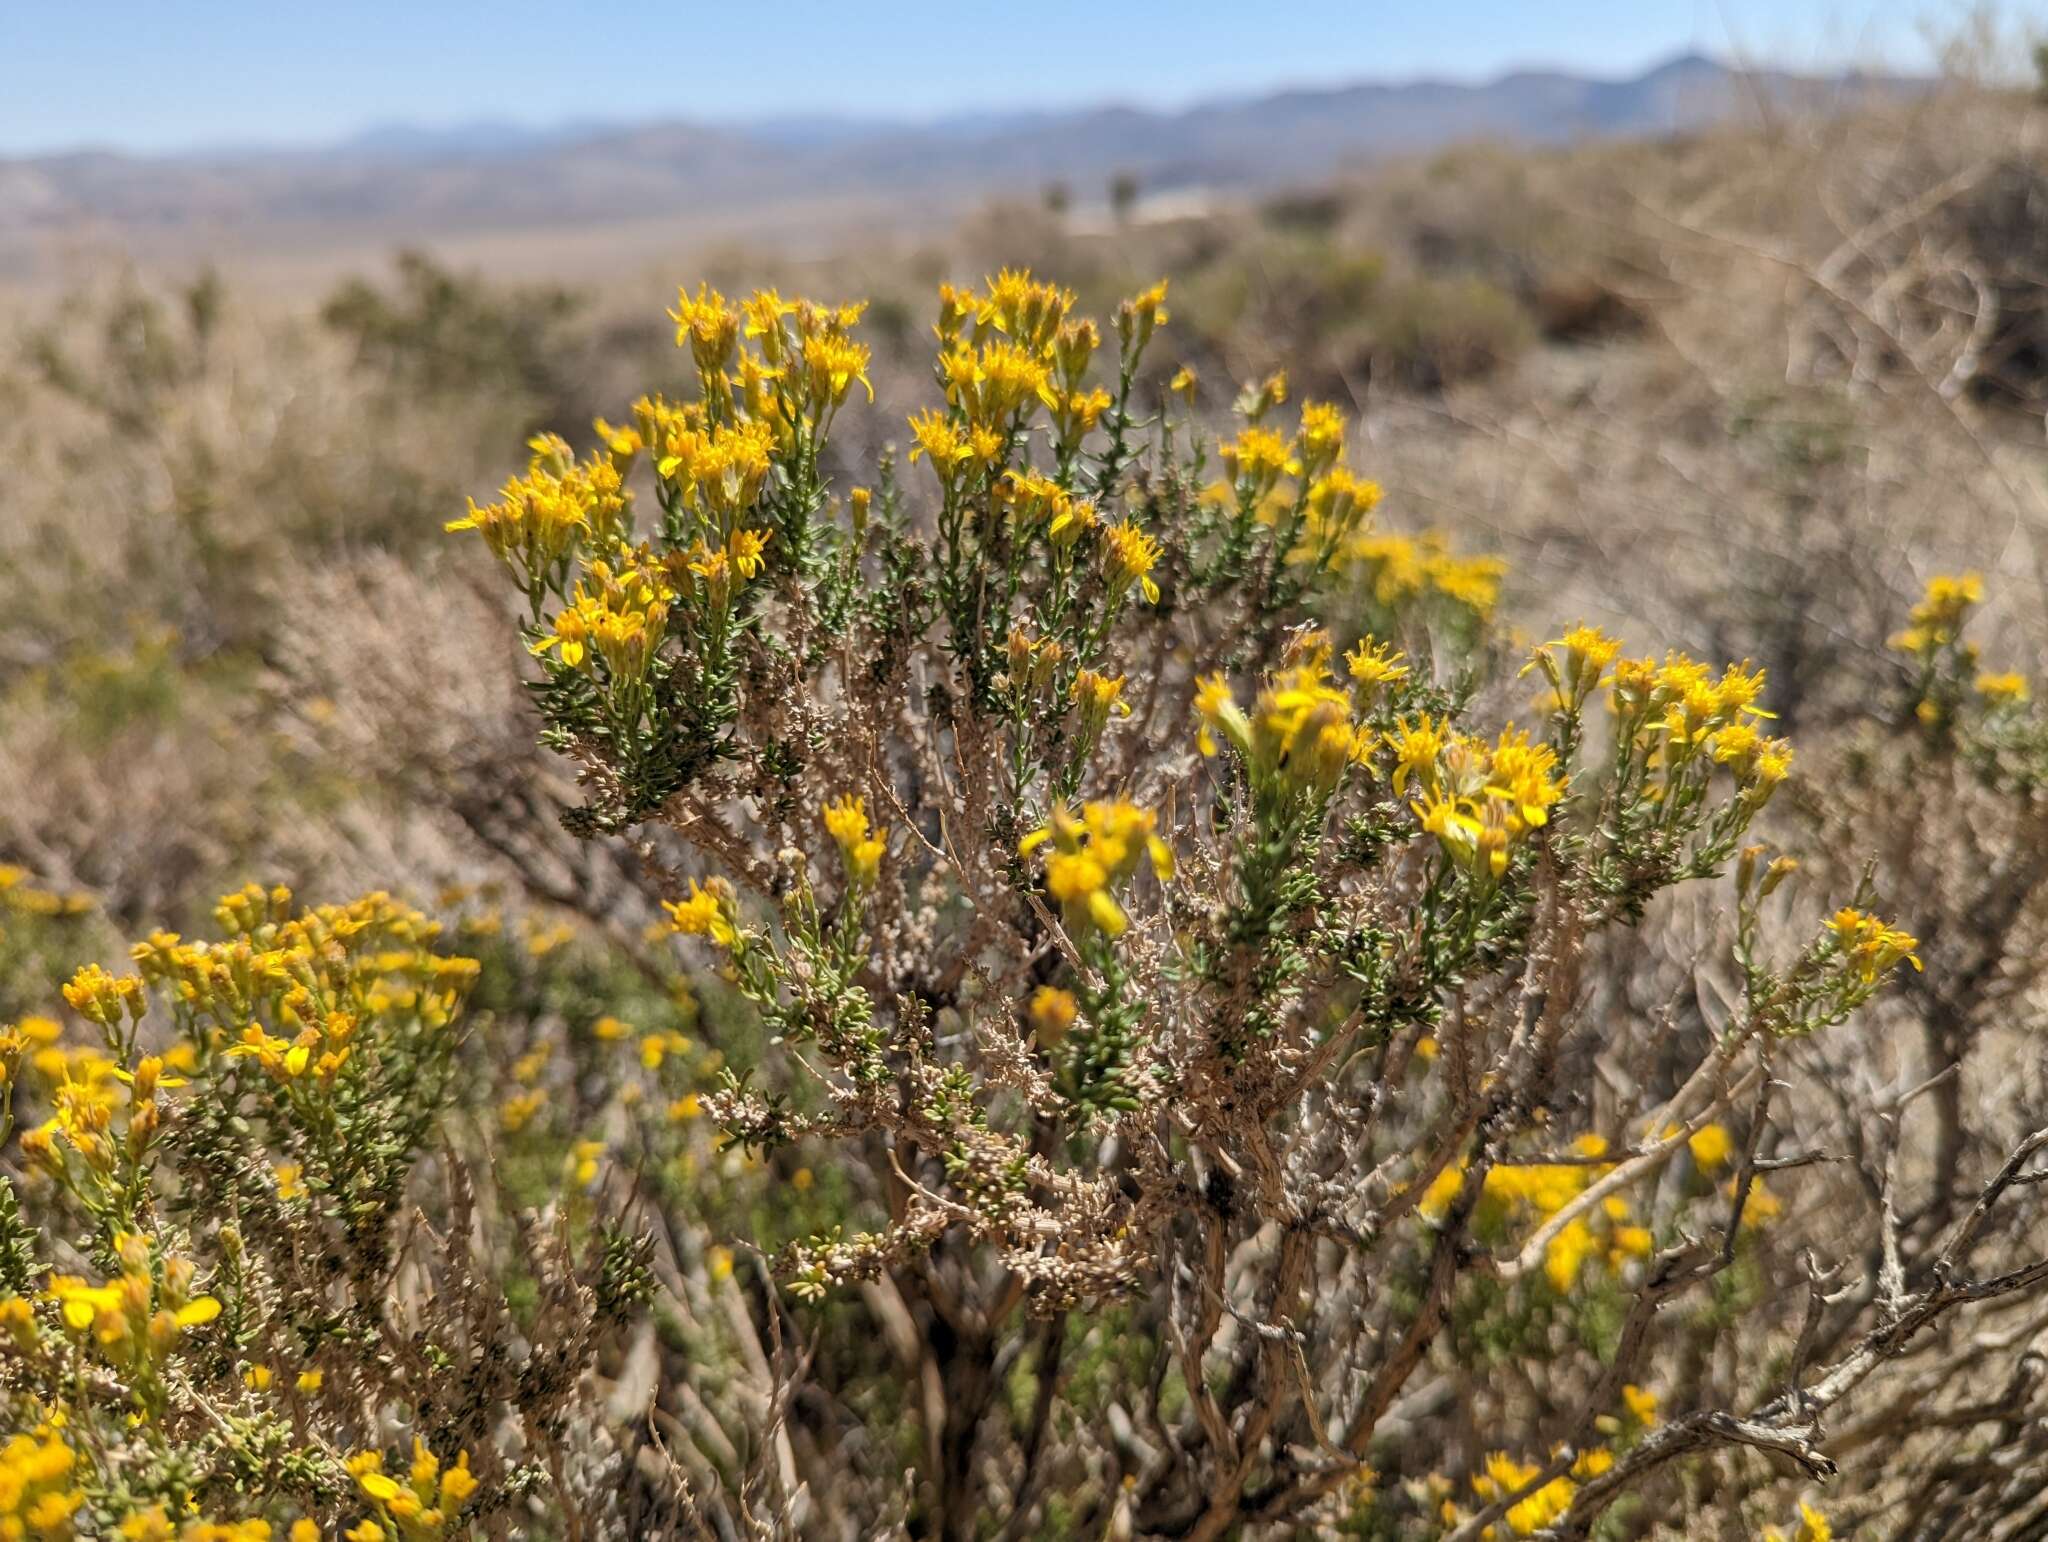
(412, 183)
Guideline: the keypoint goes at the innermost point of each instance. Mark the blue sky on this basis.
(174, 74)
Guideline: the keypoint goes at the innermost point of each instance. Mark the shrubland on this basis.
(1392, 891)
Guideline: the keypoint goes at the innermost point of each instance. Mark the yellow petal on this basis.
(1106, 913)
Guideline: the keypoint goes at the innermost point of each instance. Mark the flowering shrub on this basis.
(1144, 873)
(1213, 1039)
(203, 1332)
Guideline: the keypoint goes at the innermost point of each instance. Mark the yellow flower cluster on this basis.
(2004, 689)
(860, 849)
(1680, 715)
(371, 956)
(1099, 697)
(84, 1098)
(132, 1324)
(1544, 1505)
(1948, 672)
(710, 911)
(1869, 947)
(1128, 557)
(1574, 664)
(1257, 459)
(155, 1525)
(1030, 500)
(419, 1509)
(617, 614)
(318, 979)
(1480, 801)
(23, 897)
(1399, 569)
(1093, 856)
(772, 374)
(1337, 503)
(542, 518)
(787, 364)
(1938, 618)
(1052, 1012)
(1321, 515)
(38, 1496)
(1812, 1527)
(1300, 736)
(1536, 1191)
(1004, 353)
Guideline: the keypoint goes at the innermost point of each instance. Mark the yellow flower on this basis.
(1762, 1207)
(940, 438)
(2003, 689)
(708, 912)
(1052, 1014)
(1092, 856)
(1416, 748)
(744, 551)
(1322, 436)
(457, 1483)
(517, 1111)
(1575, 661)
(1256, 460)
(1072, 518)
(1642, 1403)
(1217, 708)
(1869, 946)
(1336, 507)
(377, 1486)
(1812, 1527)
(1128, 556)
(1565, 1254)
(1710, 1147)
(1477, 845)
(833, 363)
(101, 998)
(541, 518)
(708, 327)
(1024, 310)
(1098, 696)
(846, 821)
(1141, 315)
(1520, 774)
(1300, 736)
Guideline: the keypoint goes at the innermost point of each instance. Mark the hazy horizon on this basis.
(245, 78)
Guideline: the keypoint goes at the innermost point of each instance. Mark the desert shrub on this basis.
(1219, 1016)
(218, 1318)
(438, 331)
(1199, 1029)
(1431, 332)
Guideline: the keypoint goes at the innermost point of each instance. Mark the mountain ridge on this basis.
(403, 183)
